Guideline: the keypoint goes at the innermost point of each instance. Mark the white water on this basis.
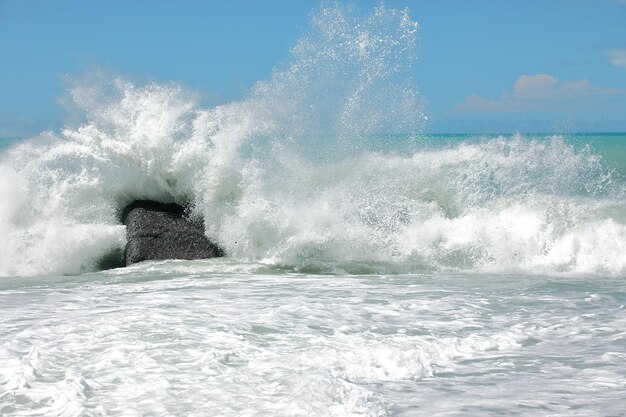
(369, 271)
(508, 204)
(182, 338)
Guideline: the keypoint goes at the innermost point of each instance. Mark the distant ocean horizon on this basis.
(609, 145)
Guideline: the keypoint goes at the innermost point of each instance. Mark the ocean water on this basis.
(371, 269)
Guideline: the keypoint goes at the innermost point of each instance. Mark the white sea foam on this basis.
(151, 340)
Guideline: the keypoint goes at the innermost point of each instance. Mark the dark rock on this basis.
(157, 231)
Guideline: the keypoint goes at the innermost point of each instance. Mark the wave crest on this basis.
(307, 173)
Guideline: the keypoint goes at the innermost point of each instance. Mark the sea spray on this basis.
(320, 169)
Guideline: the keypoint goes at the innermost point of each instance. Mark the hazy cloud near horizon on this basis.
(532, 91)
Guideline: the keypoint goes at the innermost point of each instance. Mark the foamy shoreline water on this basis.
(151, 341)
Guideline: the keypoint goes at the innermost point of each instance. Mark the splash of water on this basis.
(294, 175)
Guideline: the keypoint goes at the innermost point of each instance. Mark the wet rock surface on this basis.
(158, 231)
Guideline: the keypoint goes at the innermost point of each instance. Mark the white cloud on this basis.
(547, 87)
(530, 92)
(537, 86)
(617, 57)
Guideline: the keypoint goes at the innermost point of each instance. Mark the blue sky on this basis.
(483, 66)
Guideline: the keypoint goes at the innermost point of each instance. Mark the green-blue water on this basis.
(8, 142)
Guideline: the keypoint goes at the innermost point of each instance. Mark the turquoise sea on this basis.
(368, 271)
